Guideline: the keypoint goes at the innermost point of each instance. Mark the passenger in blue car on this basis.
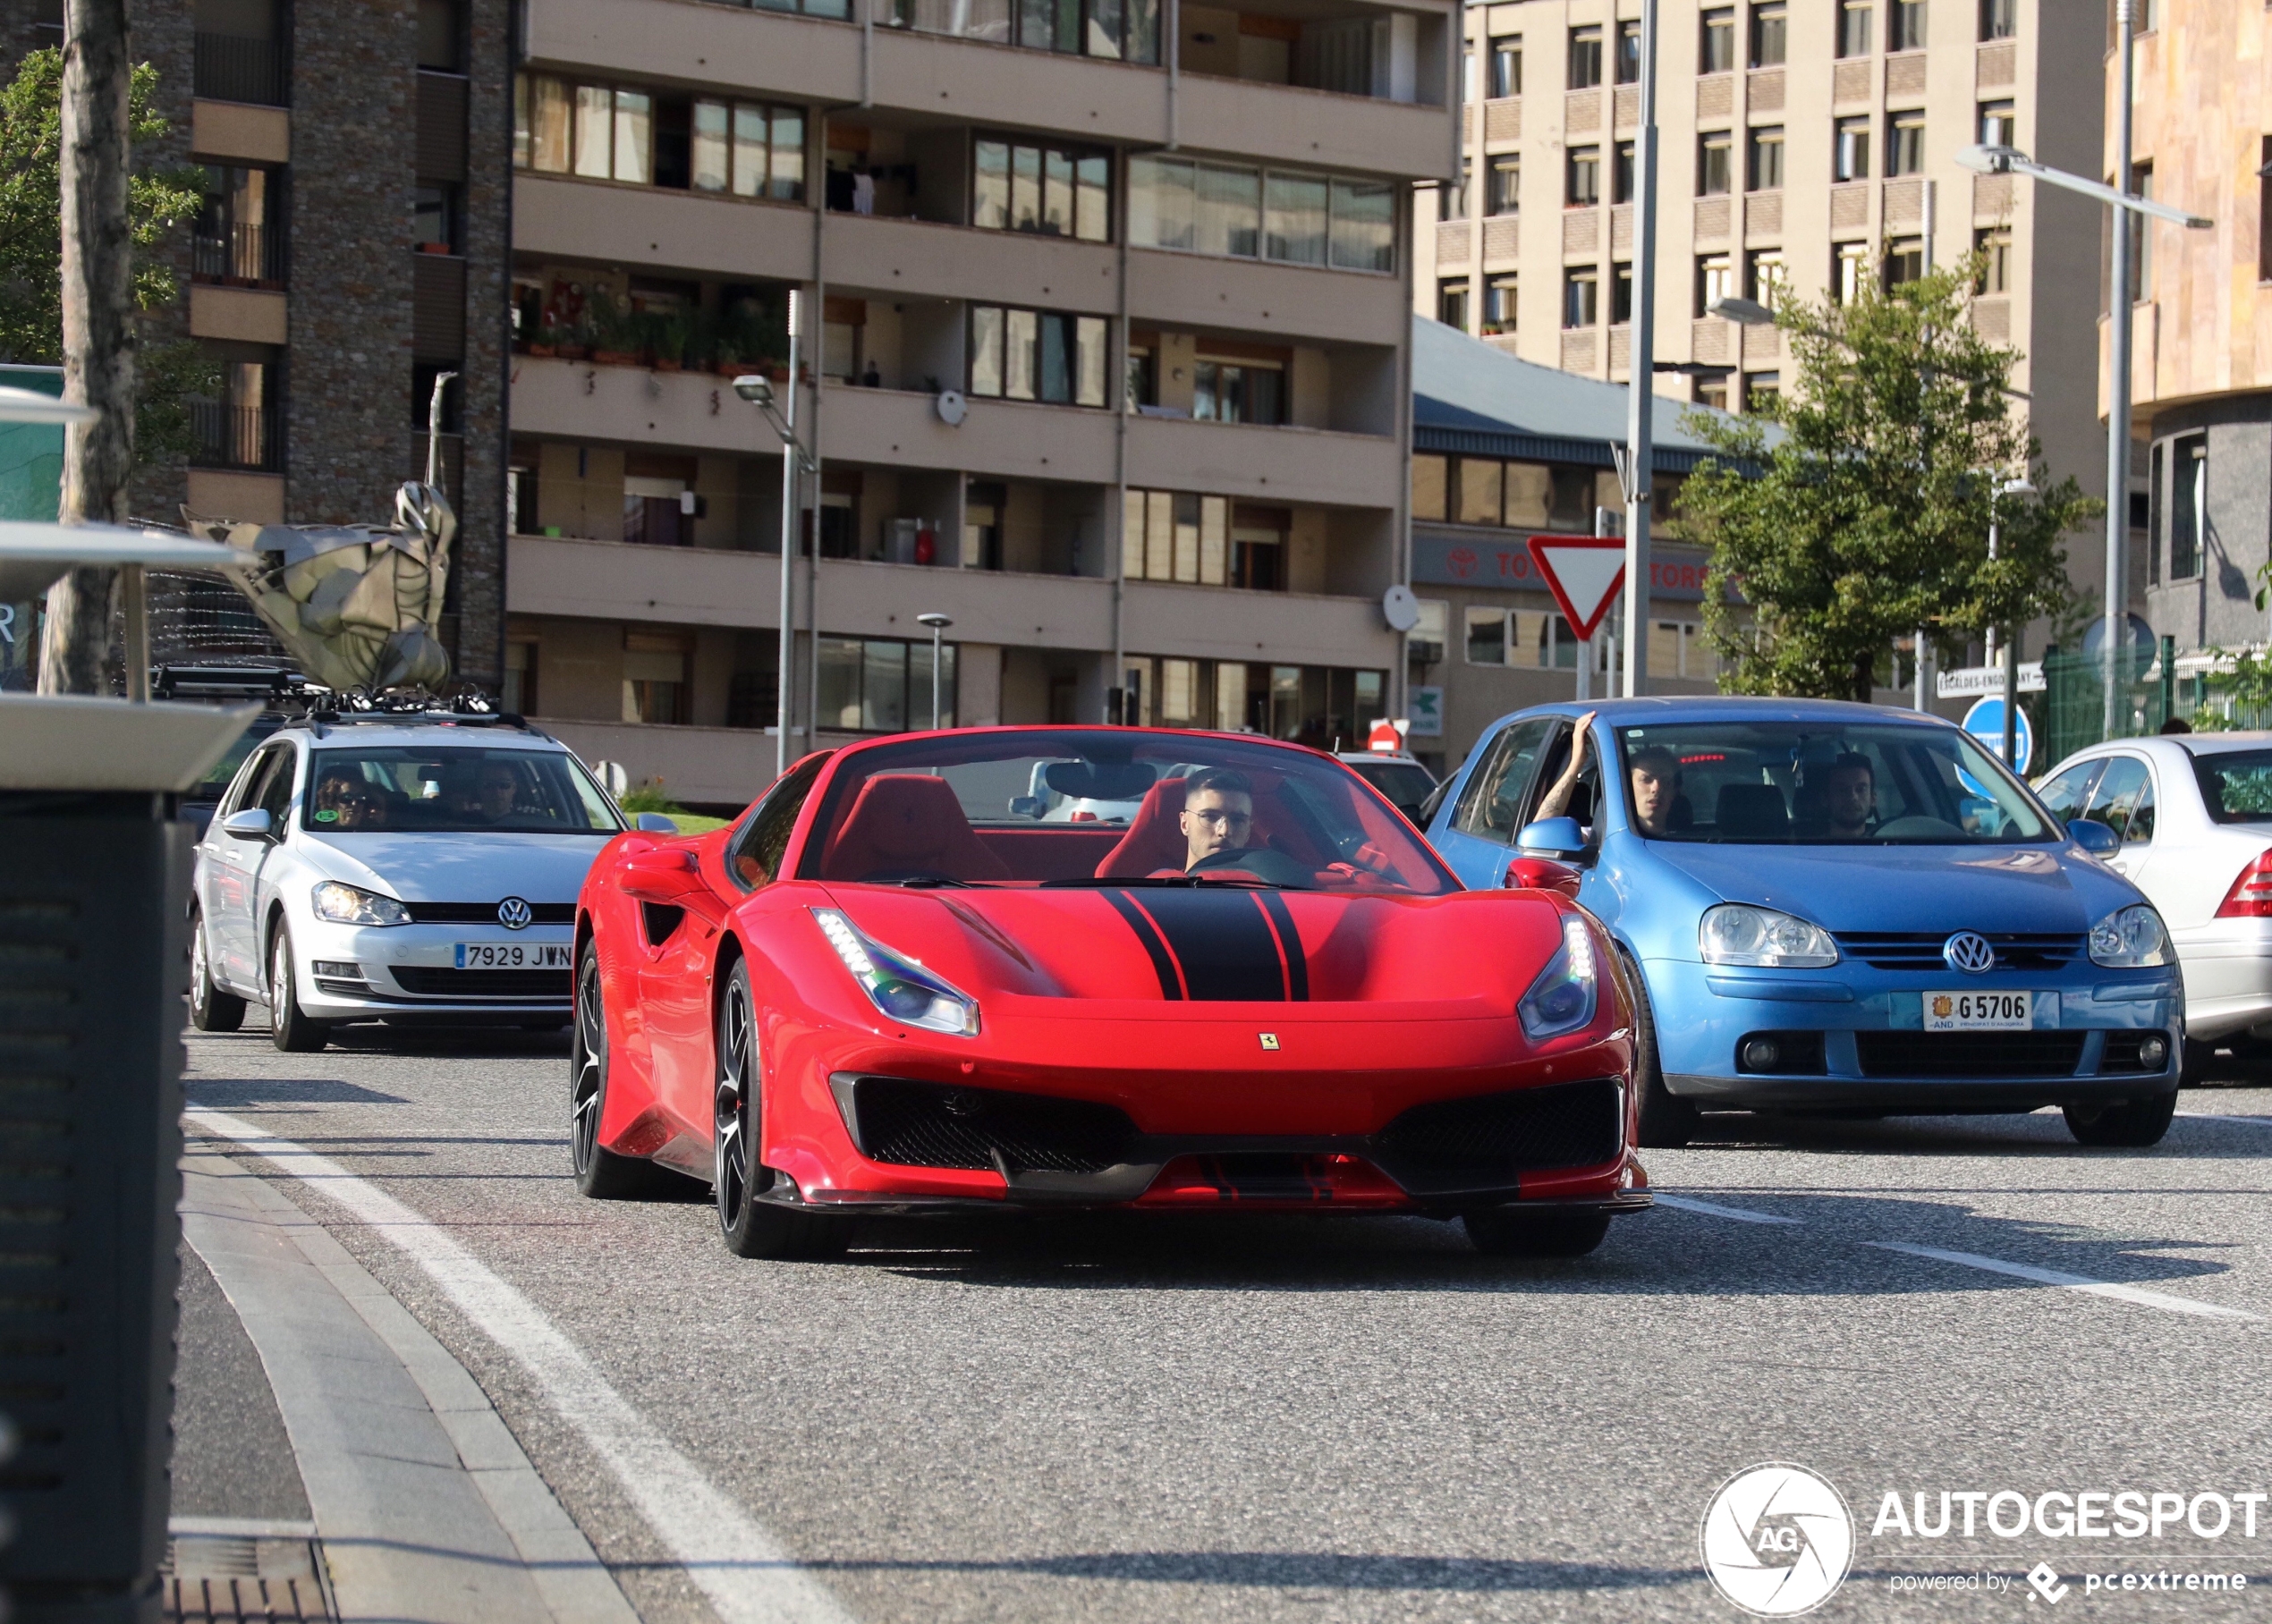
(1653, 784)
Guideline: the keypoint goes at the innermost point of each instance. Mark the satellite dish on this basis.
(951, 407)
(1400, 608)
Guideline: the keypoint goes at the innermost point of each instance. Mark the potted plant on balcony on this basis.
(671, 331)
(545, 341)
(614, 330)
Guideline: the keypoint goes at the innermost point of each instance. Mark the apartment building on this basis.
(1105, 348)
(350, 244)
(2202, 323)
(1803, 145)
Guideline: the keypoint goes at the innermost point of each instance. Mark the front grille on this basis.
(486, 913)
(482, 986)
(1479, 1143)
(1921, 950)
(913, 1124)
(1968, 1053)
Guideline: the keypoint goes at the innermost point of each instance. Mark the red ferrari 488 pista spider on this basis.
(1053, 967)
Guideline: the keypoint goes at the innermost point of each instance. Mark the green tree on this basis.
(32, 330)
(1867, 516)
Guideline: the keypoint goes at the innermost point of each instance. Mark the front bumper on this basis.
(410, 973)
(1861, 1042)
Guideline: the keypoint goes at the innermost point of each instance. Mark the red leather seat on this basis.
(904, 824)
(1155, 838)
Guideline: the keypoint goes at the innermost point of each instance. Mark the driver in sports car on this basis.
(1219, 814)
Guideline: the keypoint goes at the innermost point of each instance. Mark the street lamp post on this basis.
(757, 389)
(938, 623)
(1641, 454)
(2009, 160)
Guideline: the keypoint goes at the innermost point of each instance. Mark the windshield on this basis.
(456, 790)
(1167, 808)
(2236, 785)
(1406, 782)
(215, 782)
(1806, 782)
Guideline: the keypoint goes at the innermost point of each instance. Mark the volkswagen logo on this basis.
(1969, 952)
(514, 914)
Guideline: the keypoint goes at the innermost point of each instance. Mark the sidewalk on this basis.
(332, 1461)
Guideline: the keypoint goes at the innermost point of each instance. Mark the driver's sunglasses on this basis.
(1215, 815)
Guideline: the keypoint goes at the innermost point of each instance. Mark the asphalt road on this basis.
(1344, 1418)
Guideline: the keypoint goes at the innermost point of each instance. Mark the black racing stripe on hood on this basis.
(1222, 939)
(1290, 942)
(1124, 905)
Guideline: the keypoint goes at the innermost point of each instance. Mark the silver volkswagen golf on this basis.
(407, 869)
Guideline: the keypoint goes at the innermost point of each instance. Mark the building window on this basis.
(1052, 191)
(1711, 390)
(242, 428)
(1853, 26)
(1999, 19)
(1451, 201)
(1715, 47)
(2142, 235)
(1769, 32)
(1499, 304)
(1451, 302)
(2155, 458)
(2264, 212)
(441, 33)
(1761, 391)
(519, 697)
(1629, 52)
(1999, 124)
(1584, 187)
(437, 218)
(1244, 391)
(241, 231)
(1906, 143)
(1850, 271)
(1115, 29)
(655, 685)
(1580, 296)
(1621, 173)
(1714, 281)
(1470, 86)
(1904, 261)
(1994, 246)
(1850, 150)
(882, 685)
(1621, 295)
(1177, 537)
(1506, 66)
(745, 149)
(1429, 474)
(1763, 170)
(1487, 637)
(1585, 58)
(1907, 33)
(1232, 210)
(2189, 469)
(1037, 355)
(1505, 196)
(1715, 165)
(240, 54)
(1765, 276)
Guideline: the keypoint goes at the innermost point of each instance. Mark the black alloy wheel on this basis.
(290, 1028)
(1668, 1122)
(211, 1010)
(2128, 1125)
(753, 1228)
(1509, 1231)
(601, 1174)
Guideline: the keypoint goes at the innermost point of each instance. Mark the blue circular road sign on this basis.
(1985, 723)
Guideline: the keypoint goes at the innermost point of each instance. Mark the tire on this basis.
(211, 1010)
(2131, 1125)
(290, 1027)
(1503, 1232)
(753, 1228)
(601, 1174)
(1668, 1122)
(2196, 1058)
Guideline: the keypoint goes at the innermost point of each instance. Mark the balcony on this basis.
(248, 439)
(690, 233)
(1224, 623)
(1262, 464)
(240, 256)
(1262, 298)
(235, 69)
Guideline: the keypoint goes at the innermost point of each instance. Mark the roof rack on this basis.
(468, 707)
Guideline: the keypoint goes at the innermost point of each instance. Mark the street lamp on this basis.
(2010, 160)
(1640, 460)
(937, 622)
(757, 389)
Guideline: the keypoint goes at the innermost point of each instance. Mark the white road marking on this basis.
(739, 1564)
(2219, 1116)
(1690, 1204)
(2072, 1282)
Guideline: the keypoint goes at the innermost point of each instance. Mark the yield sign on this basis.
(1583, 572)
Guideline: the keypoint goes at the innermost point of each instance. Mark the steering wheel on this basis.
(1271, 868)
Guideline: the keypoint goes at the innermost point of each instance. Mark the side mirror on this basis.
(2096, 838)
(1543, 874)
(1028, 805)
(654, 823)
(661, 876)
(1552, 837)
(255, 825)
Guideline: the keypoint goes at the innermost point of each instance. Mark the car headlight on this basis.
(2130, 939)
(1568, 991)
(1735, 932)
(339, 904)
(897, 985)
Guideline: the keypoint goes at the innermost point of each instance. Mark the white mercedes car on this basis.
(2194, 812)
(415, 869)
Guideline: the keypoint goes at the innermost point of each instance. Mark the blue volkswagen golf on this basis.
(1832, 908)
